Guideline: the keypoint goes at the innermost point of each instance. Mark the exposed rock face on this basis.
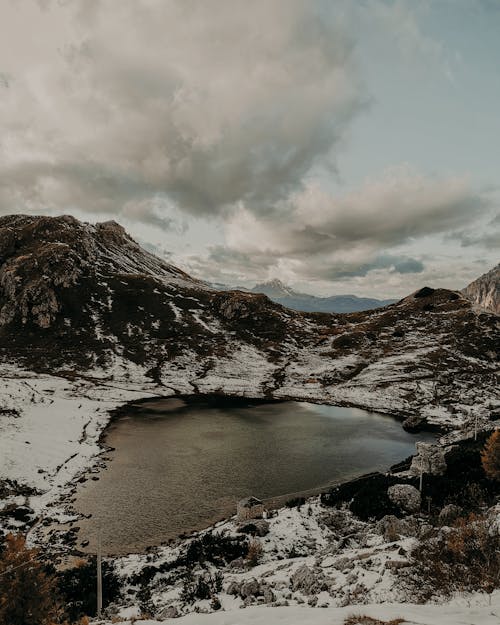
(41, 257)
(29, 280)
(485, 291)
(307, 580)
(405, 496)
(449, 514)
(429, 459)
(393, 528)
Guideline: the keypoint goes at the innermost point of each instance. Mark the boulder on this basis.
(393, 529)
(250, 588)
(268, 595)
(414, 423)
(233, 589)
(396, 564)
(405, 496)
(169, 612)
(307, 580)
(449, 514)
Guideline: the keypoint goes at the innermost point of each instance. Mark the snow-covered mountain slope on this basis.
(89, 320)
(485, 291)
(286, 296)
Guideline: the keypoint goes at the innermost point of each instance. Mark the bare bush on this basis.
(254, 552)
(355, 619)
(28, 593)
(490, 456)
(465, 557)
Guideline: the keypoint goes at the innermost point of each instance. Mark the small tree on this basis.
(27, 592)
(490, 456)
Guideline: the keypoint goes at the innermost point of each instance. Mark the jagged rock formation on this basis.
(485, 291)
(79, 299)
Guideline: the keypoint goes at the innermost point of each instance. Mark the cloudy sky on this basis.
(343, 146)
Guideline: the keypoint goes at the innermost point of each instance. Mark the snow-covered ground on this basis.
(50, 427)
(475, 610)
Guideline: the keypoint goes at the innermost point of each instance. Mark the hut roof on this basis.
(249, 502)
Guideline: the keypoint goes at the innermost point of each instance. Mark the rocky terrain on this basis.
(485, 291)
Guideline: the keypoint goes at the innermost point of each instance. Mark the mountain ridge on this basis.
(485, 290)
(84, 298)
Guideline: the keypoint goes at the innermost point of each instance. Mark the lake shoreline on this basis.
(164, 406)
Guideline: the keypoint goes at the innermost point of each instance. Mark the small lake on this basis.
(180, 466)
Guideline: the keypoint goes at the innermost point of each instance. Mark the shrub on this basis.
(296, 502)
(254, 552)
(27, 591)
(490, 456)
(215, 548)
(77, 586)
(354, 619)
(201, 587)
(465, 558)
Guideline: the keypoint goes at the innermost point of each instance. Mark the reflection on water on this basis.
(179, 467)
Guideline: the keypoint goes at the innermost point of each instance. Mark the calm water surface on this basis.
(179, 467)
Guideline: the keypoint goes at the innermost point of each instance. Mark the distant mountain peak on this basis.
(275, 287)
(283, 294)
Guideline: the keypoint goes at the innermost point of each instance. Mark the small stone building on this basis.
(249, 508)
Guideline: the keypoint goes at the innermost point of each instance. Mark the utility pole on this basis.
(99, 575)
(421, 476)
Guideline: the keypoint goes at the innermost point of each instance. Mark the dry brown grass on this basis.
(357, 619)
(254, 552)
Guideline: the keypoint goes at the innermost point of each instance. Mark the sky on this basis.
(341, 146)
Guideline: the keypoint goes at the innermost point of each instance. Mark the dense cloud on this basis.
(328, 236)
(200, 104)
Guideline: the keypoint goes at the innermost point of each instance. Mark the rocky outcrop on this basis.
(485, 291)
(449, 514)
(429, 459)
(309, 581)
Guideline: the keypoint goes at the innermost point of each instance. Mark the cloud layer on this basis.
(326, 236)
(199, 104)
